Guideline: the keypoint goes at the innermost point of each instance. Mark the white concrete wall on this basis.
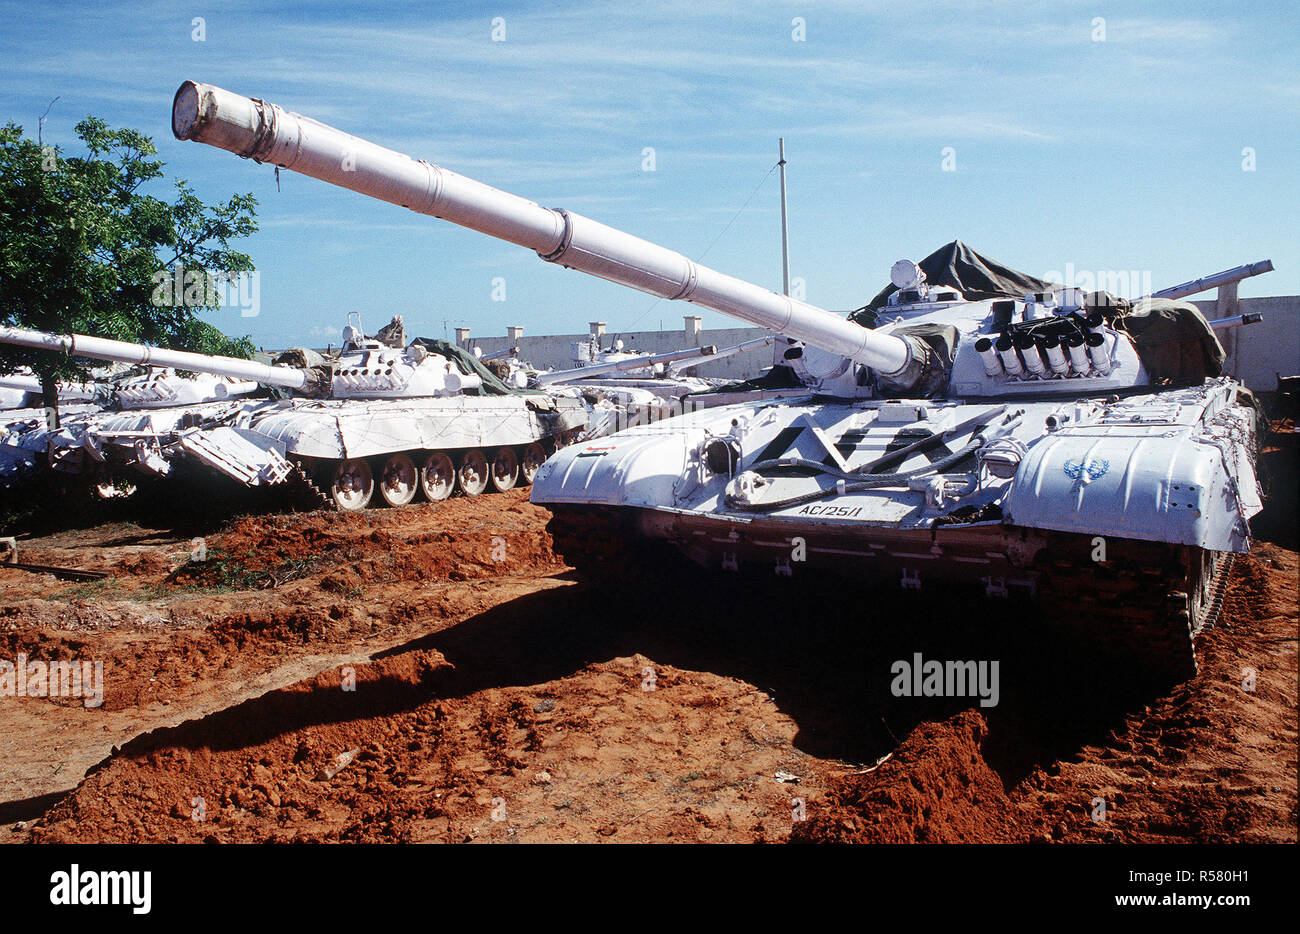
(556, 351)
(1258, 352)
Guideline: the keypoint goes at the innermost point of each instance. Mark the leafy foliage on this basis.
(83, 247)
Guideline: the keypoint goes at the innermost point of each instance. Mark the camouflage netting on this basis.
(301, 357)
(393, 333)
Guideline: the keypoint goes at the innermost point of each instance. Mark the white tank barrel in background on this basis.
(721, 354)
(260, 130)
(1228, 276)
(757, 343)
(1236, 321)
(100, 348)
(20, 382)
(68, 392)
(676, 359)
(618, 366)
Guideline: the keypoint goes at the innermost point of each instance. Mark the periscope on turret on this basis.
(972, 424)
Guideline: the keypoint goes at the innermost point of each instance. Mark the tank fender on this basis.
(1165, 487)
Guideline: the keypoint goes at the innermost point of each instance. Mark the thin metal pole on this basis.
(785, 231)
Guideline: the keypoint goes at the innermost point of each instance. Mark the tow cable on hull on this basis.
(852, 482)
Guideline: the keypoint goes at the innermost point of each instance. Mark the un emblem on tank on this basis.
(1094, 468)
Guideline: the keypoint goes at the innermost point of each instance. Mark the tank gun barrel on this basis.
(267, 133)
(1205, 283)
(100, 348)
(630, 363)
(79, 392)
(20, 382)
(724, 352)
(1236, 321)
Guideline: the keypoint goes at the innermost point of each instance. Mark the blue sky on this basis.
(1114, 155)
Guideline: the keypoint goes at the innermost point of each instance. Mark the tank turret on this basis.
(381, 368)
(367, 368)
(162, 387)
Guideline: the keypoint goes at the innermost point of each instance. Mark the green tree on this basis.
(83, 249)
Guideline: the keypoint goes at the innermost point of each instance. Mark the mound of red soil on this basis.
(403, 758)
(466, 542)
(497, 700)
(935, 788)
(1213, 761)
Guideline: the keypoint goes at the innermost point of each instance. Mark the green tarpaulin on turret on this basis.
(467, 363)
(1173, 339)
(957, 266)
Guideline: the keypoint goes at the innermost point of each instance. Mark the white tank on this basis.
(385, 418)
(988, 441)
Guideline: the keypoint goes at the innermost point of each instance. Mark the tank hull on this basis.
(355, 453)
(1120, 518)
(1150, 466)
(1142, 607)
(24, 439)
(296, 443)
(340, 429)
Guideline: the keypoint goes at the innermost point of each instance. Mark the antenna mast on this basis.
(785, 231)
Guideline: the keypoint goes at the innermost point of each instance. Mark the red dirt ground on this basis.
(499, 698)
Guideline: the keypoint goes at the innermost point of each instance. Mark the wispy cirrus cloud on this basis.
(1123, 134)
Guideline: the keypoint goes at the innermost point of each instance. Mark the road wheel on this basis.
(505, 469)
(472, 475)
(531, 461)
(353, 485)
(400, 481)
(438, 478)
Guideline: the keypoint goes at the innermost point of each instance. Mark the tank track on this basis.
(1211, 608)
(604, 544)
(1143, 607)
(303, 493)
